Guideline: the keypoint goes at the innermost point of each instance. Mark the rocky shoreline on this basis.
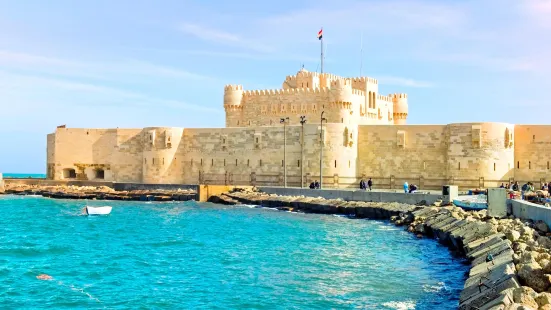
(510, 259)
(99, 193)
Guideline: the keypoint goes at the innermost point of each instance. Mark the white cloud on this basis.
(222, 37)
(11, 83)
(98, 70)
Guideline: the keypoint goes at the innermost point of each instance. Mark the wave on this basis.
(249, 206)
(434, 288)
(400, 305)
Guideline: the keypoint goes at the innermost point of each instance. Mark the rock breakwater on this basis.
(510, 259)
(100, 193)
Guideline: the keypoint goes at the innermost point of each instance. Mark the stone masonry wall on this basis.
(480, 151)
(532, 153)
(403, 153)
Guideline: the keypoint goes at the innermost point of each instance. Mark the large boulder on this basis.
(541, 226)
(529, 257)
(525, 296)
(544, 242)
(512, 235)
(544, 299)
(532, 275)
(519, 247)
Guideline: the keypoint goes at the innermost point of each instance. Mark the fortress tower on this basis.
(233, 97)
(400, 111)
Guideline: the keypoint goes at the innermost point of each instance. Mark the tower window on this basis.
(224, 163)
(494, 166)
(154, 161)
(236, 161)
(547, 165)
(260, 163)
(201, 161)
(282, 163)
(349, 164)
(248, 162)
(335, 163)
(518, 164)
(529, 165)
(459, 166)
(212, 162)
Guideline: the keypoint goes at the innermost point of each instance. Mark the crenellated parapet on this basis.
(364, 79)
(400, 111)
(385, 98)
(288, 91)
(233, 96)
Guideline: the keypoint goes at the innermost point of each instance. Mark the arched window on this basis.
(370, 99)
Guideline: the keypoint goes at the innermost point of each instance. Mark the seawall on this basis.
(529, 211)
(510, 259)
(356, 195)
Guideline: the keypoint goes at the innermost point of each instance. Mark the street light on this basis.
(302, 122)
(284, 122)
(321, 146)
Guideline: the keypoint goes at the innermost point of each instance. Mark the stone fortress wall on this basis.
(365, 136)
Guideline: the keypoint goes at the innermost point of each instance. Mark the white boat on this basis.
(98, 210)
(471, 202)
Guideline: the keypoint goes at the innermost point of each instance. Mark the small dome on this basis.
(303, 70)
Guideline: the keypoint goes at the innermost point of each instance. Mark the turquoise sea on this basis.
(24, 175)
(204, 256)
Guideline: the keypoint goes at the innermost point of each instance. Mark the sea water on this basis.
(192, 255)
(24, 175)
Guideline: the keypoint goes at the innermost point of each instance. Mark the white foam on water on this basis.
(383, 227)
(249, 206)
(77, 289)
(434, 288)
(400, 305)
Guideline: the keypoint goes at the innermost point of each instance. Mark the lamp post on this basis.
(302, 122)
(284, 122)
(321, 147)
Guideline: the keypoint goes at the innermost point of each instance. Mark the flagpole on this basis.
(322, 52)
(361, 52)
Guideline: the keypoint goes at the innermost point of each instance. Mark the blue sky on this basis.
(164, 63)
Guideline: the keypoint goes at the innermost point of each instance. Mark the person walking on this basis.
(369, 184)
(406, 187)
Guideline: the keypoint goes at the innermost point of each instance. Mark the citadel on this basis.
(358, 132)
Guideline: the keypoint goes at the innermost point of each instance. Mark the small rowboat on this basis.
(98, 210)
(471, 202)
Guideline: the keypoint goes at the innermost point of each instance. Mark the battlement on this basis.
(341, 82)
(399, 96)
(358, 92)
(384, 98)
(364, 79)
(268, 92)
(233, 87)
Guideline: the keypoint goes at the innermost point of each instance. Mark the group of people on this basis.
(364, 186)
(315, 185)
(527, 187)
